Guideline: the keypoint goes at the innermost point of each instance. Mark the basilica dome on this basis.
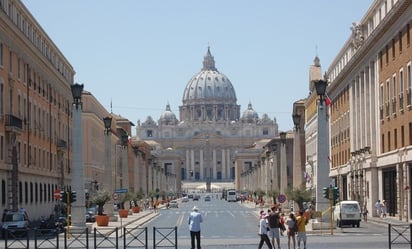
(250, 115)
(209, 85)
(168, 117)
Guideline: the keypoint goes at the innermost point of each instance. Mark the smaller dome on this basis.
(168, 117)
(250, 115)
(265, 119)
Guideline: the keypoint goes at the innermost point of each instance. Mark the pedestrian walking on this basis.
(378, 207)
(274, 225)
(384, 208)
(301, 221)
(365, 213)
(195, 218)
(291, 223)
(263, 229)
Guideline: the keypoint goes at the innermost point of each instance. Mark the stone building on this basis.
(210, 129)
(370, 86)
(35, 114)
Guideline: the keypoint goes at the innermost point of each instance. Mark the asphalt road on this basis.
(232, 225)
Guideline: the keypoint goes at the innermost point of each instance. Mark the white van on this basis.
(347, 213)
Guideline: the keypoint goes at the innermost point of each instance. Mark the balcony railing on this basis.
(13, 123)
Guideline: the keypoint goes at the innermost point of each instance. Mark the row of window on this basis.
(394, 94)
(368, 27)
(23, 22)
(30, 192)
(391, 140)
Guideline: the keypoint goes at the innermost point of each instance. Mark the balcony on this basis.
(13, 123)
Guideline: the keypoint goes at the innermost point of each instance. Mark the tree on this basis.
(299, 195)
(274, 194)
(124, 198)
(137, 196)
(101, 198)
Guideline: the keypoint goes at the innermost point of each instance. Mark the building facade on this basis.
(370, 125)
(211, 129)
(35, 114)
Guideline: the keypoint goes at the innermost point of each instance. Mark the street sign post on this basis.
(121, 190)
(281, 198)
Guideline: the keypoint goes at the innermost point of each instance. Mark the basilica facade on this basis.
(210, 130)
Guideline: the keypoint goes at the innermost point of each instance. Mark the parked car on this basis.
(208, 198)
(185, 199)
(91, 214)
(16, 222)
(173, 204)
(196, 197)
(347, 213)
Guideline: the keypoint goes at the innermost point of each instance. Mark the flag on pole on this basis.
(327, 100)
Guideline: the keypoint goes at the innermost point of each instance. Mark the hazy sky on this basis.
(139, 55)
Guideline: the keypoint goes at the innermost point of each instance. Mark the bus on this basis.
(231, 195)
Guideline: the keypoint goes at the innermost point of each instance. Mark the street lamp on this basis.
(297, 166)
(296, 121)
(78, 208)
(124, 139)
(108, 182)
(322, 169)
(320, 86)
(283, 163)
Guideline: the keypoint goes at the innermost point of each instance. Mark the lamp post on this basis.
(108, 173)
(322, 169)
(124, 138)
(283, 164)
(297, 162)
(78, 208)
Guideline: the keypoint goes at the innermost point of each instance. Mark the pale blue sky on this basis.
(141, 54)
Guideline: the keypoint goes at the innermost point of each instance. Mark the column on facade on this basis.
(283, 169)
(201, 164)
(192, 163)
(214, 176)
(404, 214)
(187, 166)
(125, 168)
(265, 163)
(399, 188)
(144, 177)
(224, 164)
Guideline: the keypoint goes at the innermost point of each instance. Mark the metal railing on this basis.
(109, 237)
(399, 235)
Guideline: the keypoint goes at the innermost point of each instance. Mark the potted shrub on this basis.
(123, 212)
(136, 198)
(101, 198)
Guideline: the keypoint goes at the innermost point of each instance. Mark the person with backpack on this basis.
(291, 223)
(263, 230)
(301, 222)
(274, 225)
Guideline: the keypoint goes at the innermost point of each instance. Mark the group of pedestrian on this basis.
(272, 226)
(381, 208)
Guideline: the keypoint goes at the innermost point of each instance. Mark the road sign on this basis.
(281, 198)
(115, 196)
(56, 194)
(121, 190)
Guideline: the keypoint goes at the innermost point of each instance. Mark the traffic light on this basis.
(73, 196)
(335, 194)
(63, 196)
(325, 193)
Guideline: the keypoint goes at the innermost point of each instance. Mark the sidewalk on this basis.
(137, 219)
(393, 220)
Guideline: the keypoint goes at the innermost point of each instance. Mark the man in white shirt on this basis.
(195, 218)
